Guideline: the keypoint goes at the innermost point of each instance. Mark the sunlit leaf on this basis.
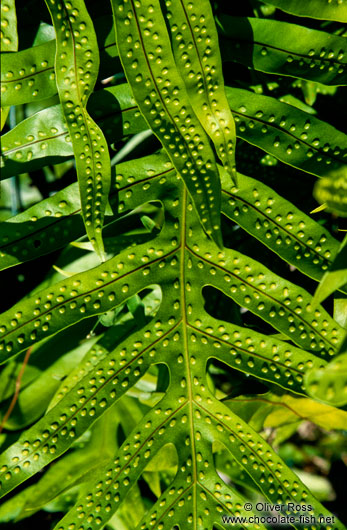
(198, 55)
(173, 381)
(76, 69)
(166, 106)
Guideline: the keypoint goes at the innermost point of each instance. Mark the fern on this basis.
(137, 288)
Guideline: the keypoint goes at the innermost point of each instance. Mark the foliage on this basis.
(172, 341)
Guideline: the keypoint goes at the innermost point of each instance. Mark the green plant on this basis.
(147, 313)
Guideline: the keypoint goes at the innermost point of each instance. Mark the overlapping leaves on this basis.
(162, 97)
(180, 335)
(178, 256)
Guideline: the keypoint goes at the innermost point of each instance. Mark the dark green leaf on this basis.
(287, 49)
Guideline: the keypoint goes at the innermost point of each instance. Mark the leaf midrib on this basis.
(186, 347)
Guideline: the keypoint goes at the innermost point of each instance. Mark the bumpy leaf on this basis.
(329, 384)
(34, 232)
(32, 401)
(292, 136)
(8, 35)
(190, 497)
(183, 336)
(186, 419)
(44, 138)
(76, 68)
(286, 133)
(73, 469)
(321, 9)
(8, 42)
(285, 49)
(163, 100)
(332, 191)
(29, 76)
(42, 357)
(278, 224)
(198, 58)
(298, 239)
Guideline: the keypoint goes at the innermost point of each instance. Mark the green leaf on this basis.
(294, 137)
(258, 209)
(320, 486)
(277, 301)
(28, 75)
(329, 384)
(73, 469)
(126, 517)
(76, 68)
(181, 335)
(43, 356)
(122, 328)
(77, 297)
(8, 43)
(9, 34)
(283, 48)
(335, 277)
(279, 224)
(175, 454)
(244, 443)
(35, 142)
(166, 107)
(249, 283)
(281, 130)
(34, 232)
(3, 116)
(295, 102)
(198, 60)
(332, 191)
(43, 137)
(340, 310)
(320, 9)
